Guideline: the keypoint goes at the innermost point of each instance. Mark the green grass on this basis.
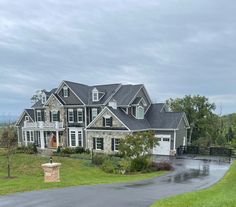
(222, 194)
(29, 174)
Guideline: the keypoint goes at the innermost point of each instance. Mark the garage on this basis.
(164, 145)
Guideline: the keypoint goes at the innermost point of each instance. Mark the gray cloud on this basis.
(173, 47)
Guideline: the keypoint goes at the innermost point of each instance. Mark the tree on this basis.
(230, 134)
(198, 110)
(8, 141)
(138, 144)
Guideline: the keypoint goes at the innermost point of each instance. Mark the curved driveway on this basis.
(189, 175)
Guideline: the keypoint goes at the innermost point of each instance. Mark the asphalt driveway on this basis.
(189, 175)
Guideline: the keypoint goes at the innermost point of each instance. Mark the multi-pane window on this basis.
(99, 143)
(55, 116)
(140, 112)
(94, 113)
(80, 115)
(95, 94)
(73, 138)
(39, 115)
(70, 115)
(29, 136)
(108, 122)
(26, 118)
(65, 91)
(116, 144)
(80, 138)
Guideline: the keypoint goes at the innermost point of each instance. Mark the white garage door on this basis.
(164, 145)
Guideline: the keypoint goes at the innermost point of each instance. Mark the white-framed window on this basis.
(44, 99)
(71, 115)
(29, 136)
(72, 139)
(140, 112)
(65, 91)
(76, 137)
(94, 113)
(39, 115)
(23, 135)
(26, 118)
(80, 115)
(166, 139)
(98, 143)
(55, 116)
(116, 144)
(95, 95)
(107, 121)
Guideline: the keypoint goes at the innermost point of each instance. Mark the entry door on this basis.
(164, 145)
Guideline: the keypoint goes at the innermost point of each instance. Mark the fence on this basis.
(214, 151)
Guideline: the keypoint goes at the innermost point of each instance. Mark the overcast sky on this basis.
(174, 47)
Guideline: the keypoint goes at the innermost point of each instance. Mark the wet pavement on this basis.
(189, 175)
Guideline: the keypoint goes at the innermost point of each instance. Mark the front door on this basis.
(53, 141)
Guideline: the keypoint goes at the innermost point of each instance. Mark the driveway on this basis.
(189, 175)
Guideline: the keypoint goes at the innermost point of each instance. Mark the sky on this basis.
(173, 47)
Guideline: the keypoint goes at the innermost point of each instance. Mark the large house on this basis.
(97, 117)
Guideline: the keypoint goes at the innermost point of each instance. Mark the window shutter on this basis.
(42, 114)
(68, 92)
(58, 116)
(94, 143)
(103, 121)
(111, 121)
(67, 114)
(50, 116)
(62, 90)
(112, 144)
(102, 144)
(75, 115)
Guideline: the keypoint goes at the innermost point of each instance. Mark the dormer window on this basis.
(65, 92)
(95, 96)
(140, 112)
(26, 118)
(43, 98)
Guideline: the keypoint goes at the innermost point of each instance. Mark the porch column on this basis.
(57, 137)
(26, 142)
(42, 139)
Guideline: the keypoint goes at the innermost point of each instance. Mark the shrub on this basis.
(99, 158)
(109, 166)
(83, 156)
(79, 150)
(59, 149)
(139, 164)
(87, 151)
(124, 166)
(30, 149)
(161, 166)
(68, 150)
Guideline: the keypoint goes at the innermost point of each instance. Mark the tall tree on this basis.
(8, 141)
(198, 110)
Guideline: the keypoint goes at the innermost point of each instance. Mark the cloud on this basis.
(173, 47)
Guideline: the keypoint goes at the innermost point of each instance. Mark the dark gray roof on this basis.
(38, 104)
(31, 113)
(131, 122)
(48, 93)
(137, 100)
(161, 119)
(126, 93)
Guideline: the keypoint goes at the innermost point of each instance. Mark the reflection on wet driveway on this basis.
(189, 175)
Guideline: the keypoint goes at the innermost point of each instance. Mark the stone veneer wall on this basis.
(107, 136)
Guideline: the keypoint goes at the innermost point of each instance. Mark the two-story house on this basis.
(97, 117)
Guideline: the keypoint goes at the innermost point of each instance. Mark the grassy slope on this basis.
(29, 174)
(223, 194)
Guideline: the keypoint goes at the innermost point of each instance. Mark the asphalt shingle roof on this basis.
(31, 113)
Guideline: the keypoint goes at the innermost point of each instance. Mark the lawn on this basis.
(223, 194)
(29, 174)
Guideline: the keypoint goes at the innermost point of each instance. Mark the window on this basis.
(43, 98)
(107, 121)
(98, 143)
(80, 141)
(65, 91)
(70, 115)
(115, 144)
(72, 139)
(80, 115)
(140, 112)
(94, 113)
(166, 139)
(26, 118)
(23, 135)
(95, 94)
(55, 116)
(31, 136)
(28, 136)
(39, 115)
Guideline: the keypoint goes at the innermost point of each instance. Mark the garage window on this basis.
(166, 139)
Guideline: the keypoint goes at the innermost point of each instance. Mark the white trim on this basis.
(63, 82)
(76, 130)
(137, 112)
(27, 118)
(94, 117)
(56, 99)
(71, 110)
(185, 120)
(174, 140)
(163, 135)
(37, 117)
(104, 130)
(65, 88)
(135, 95)
(22, 115)
(96, 143)
(95, 92)
(154, 129)
(80, 110)
(101, 113)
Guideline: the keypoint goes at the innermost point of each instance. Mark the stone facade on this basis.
(107, 136)
(51, 172)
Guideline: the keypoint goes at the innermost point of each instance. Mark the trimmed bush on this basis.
(30, 149)
(68, 150)
(125, 166)
(139, 164)
(109, 166)
(99, 158)
(79, 150)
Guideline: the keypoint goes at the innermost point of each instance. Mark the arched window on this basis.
(95, 94)
(65, 91)
(140, 112)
